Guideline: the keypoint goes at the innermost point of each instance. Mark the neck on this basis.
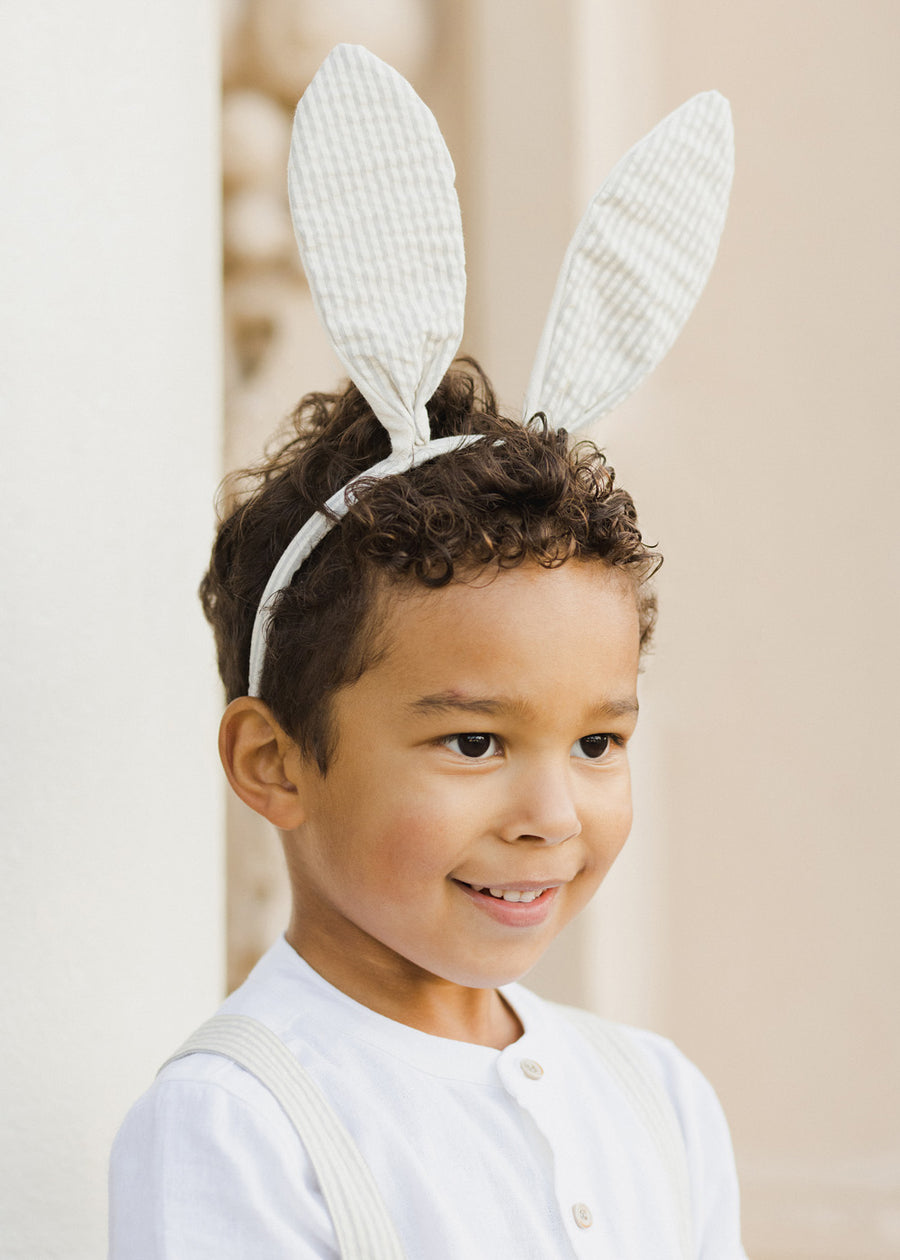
(409, 995)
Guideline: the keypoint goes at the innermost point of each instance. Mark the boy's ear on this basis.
(261, 761)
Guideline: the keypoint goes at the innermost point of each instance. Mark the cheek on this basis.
(425, 814)
(414, 839)
(623, 818)
(610, 826)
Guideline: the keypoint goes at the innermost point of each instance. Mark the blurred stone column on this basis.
(275, 349)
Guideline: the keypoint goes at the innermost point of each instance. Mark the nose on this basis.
(542, 807)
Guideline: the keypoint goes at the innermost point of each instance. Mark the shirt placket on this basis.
(531, 1075)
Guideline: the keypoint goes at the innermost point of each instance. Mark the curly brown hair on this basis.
(519, 494)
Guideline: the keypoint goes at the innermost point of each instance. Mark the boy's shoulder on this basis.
(329, 1031)
(625, 1048)
(417, 1097)
(348, 1049)
(658, 1080)
(320, 1025)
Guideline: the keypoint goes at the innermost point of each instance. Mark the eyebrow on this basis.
(453, 701)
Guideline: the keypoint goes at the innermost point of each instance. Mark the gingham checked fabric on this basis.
(636, 266)
(313, 530)
(377, 221)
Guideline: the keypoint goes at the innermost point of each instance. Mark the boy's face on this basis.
(486, 749)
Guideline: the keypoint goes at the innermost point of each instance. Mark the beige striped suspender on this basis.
(629, 1067)
(362, 1225)
(361, 1220)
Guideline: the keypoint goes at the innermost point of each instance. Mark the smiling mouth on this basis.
(512, 894)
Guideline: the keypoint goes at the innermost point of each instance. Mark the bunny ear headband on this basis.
(379, 232)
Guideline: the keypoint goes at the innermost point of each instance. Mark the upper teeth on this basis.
(512, 894)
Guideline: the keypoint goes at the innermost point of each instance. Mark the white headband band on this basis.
(317, 526)
(378, 227)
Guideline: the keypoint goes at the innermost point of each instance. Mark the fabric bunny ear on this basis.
(636, 265)
(377, 221)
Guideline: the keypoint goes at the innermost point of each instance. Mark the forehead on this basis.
(529, 633)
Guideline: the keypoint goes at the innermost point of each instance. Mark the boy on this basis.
(429, 619)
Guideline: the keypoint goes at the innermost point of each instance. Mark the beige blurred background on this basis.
(753, 914)
(754, 917)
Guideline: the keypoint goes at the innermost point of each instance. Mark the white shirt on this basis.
(475, 1156)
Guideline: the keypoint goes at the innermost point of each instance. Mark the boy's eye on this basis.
(475, 745)
(592, 746)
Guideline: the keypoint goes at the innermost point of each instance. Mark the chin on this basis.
(484, 977)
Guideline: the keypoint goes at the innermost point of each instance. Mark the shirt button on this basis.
(532, 1069)
(582, 1214)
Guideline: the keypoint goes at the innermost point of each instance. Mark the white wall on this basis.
(110, 896)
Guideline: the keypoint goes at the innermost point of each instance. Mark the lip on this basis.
(514, 913)
(523, 885)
